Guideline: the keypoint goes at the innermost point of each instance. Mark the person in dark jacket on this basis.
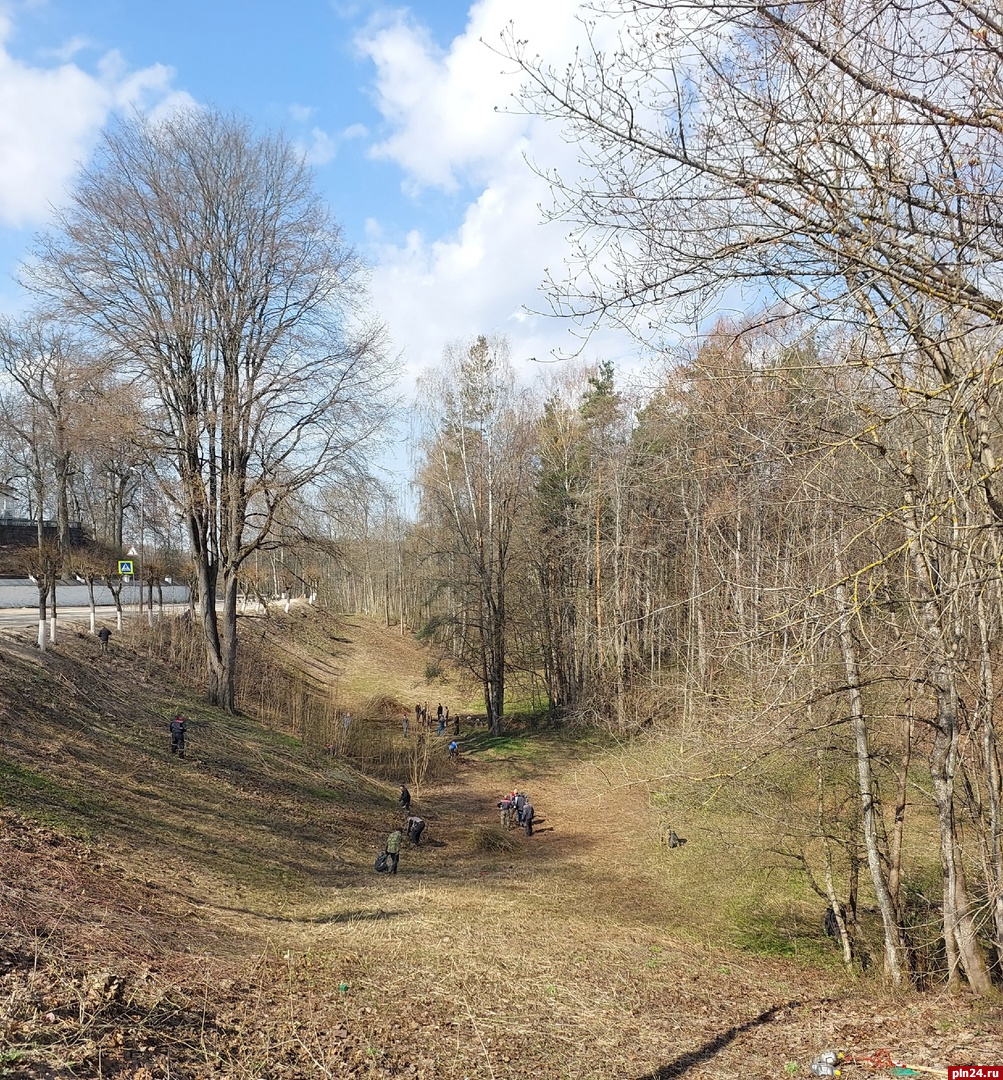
(520, 806)
(405, 799)
(415, 827)
(527, 817)
(179, 725)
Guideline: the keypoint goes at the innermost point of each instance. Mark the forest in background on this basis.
(787, 550)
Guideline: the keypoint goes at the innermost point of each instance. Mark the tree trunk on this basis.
(206, 573)
(960, 938)
(894, 952)
(830, 887)
(43, 606)
(62, 469)
(229, 643)
(53, 614)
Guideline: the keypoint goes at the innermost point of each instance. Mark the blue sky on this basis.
(293, 65)
(395, 106)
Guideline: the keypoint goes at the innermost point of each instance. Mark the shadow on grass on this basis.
(318, 920)
(520, 740)
(682, 1065)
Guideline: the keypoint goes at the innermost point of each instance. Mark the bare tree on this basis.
(843, 158)
(57, 377)
(476, 483)
(43, 569)
(201, 253)
(111, 459)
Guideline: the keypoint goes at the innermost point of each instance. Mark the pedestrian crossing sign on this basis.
(125, 566)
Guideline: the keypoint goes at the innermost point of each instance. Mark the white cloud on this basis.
(321, 148)
(50, 118)
(448, 109)
(172, 102)
(301, 113)
(446, 131)
(67, 50)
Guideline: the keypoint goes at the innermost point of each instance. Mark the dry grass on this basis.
(220, 918)
(490, 840)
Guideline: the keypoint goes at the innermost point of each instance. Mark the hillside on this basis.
(219, 917)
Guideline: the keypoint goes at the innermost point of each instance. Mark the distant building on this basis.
(23, 532)
(18, 530)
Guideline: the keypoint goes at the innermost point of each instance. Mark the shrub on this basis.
(490, 839)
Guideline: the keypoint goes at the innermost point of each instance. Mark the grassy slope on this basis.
(220, 918)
